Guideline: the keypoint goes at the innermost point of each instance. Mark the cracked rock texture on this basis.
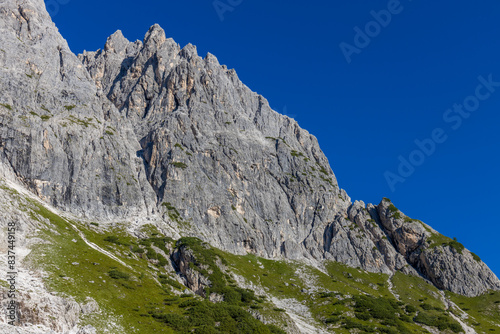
(448, 267)
(55, 132)
(150, 130)
(193, 279)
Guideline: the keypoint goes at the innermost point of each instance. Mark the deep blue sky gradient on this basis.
(366, 113)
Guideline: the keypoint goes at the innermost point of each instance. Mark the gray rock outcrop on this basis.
(444, 261)
(183, 258)
(56, 133)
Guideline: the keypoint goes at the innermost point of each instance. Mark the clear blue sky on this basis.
(365, 113)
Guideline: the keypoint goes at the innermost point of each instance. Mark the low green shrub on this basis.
(332, 320)
(441, 322)
(116, 274)
(363, 316)
(202, 317)
(116, 240)
(177, 164)
(456, 245)
(177, 322)
(410, 309)
(171, 282)
(379, 308)
(352, 324)
(137, 249)
(426, 306)
(394, 212)
(189, 302)
(326, 294)
(5, 105)
(475, 257)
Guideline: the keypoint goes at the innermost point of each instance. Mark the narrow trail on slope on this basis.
(390, 287)
(97, 248)
(448, 304)
(467, 329)
(67, 219)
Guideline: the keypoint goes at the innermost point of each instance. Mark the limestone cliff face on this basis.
(445, 262)
(216, 152)
(56, 133)
(151, 130)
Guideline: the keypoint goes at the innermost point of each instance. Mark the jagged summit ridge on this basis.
(395, 244)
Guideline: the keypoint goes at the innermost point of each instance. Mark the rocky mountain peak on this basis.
(211, 59)
(155, 35)
(189, 52)
(116, 43)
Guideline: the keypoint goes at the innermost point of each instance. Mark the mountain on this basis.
(152, 191)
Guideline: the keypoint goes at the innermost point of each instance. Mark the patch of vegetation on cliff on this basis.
(7, 106)
(174, 214)
(83, 122)
(178, 164)
(206, 264)
(440, 240)
(394, 212)
(476, 257)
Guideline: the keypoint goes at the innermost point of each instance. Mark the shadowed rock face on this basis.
(147, 129)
